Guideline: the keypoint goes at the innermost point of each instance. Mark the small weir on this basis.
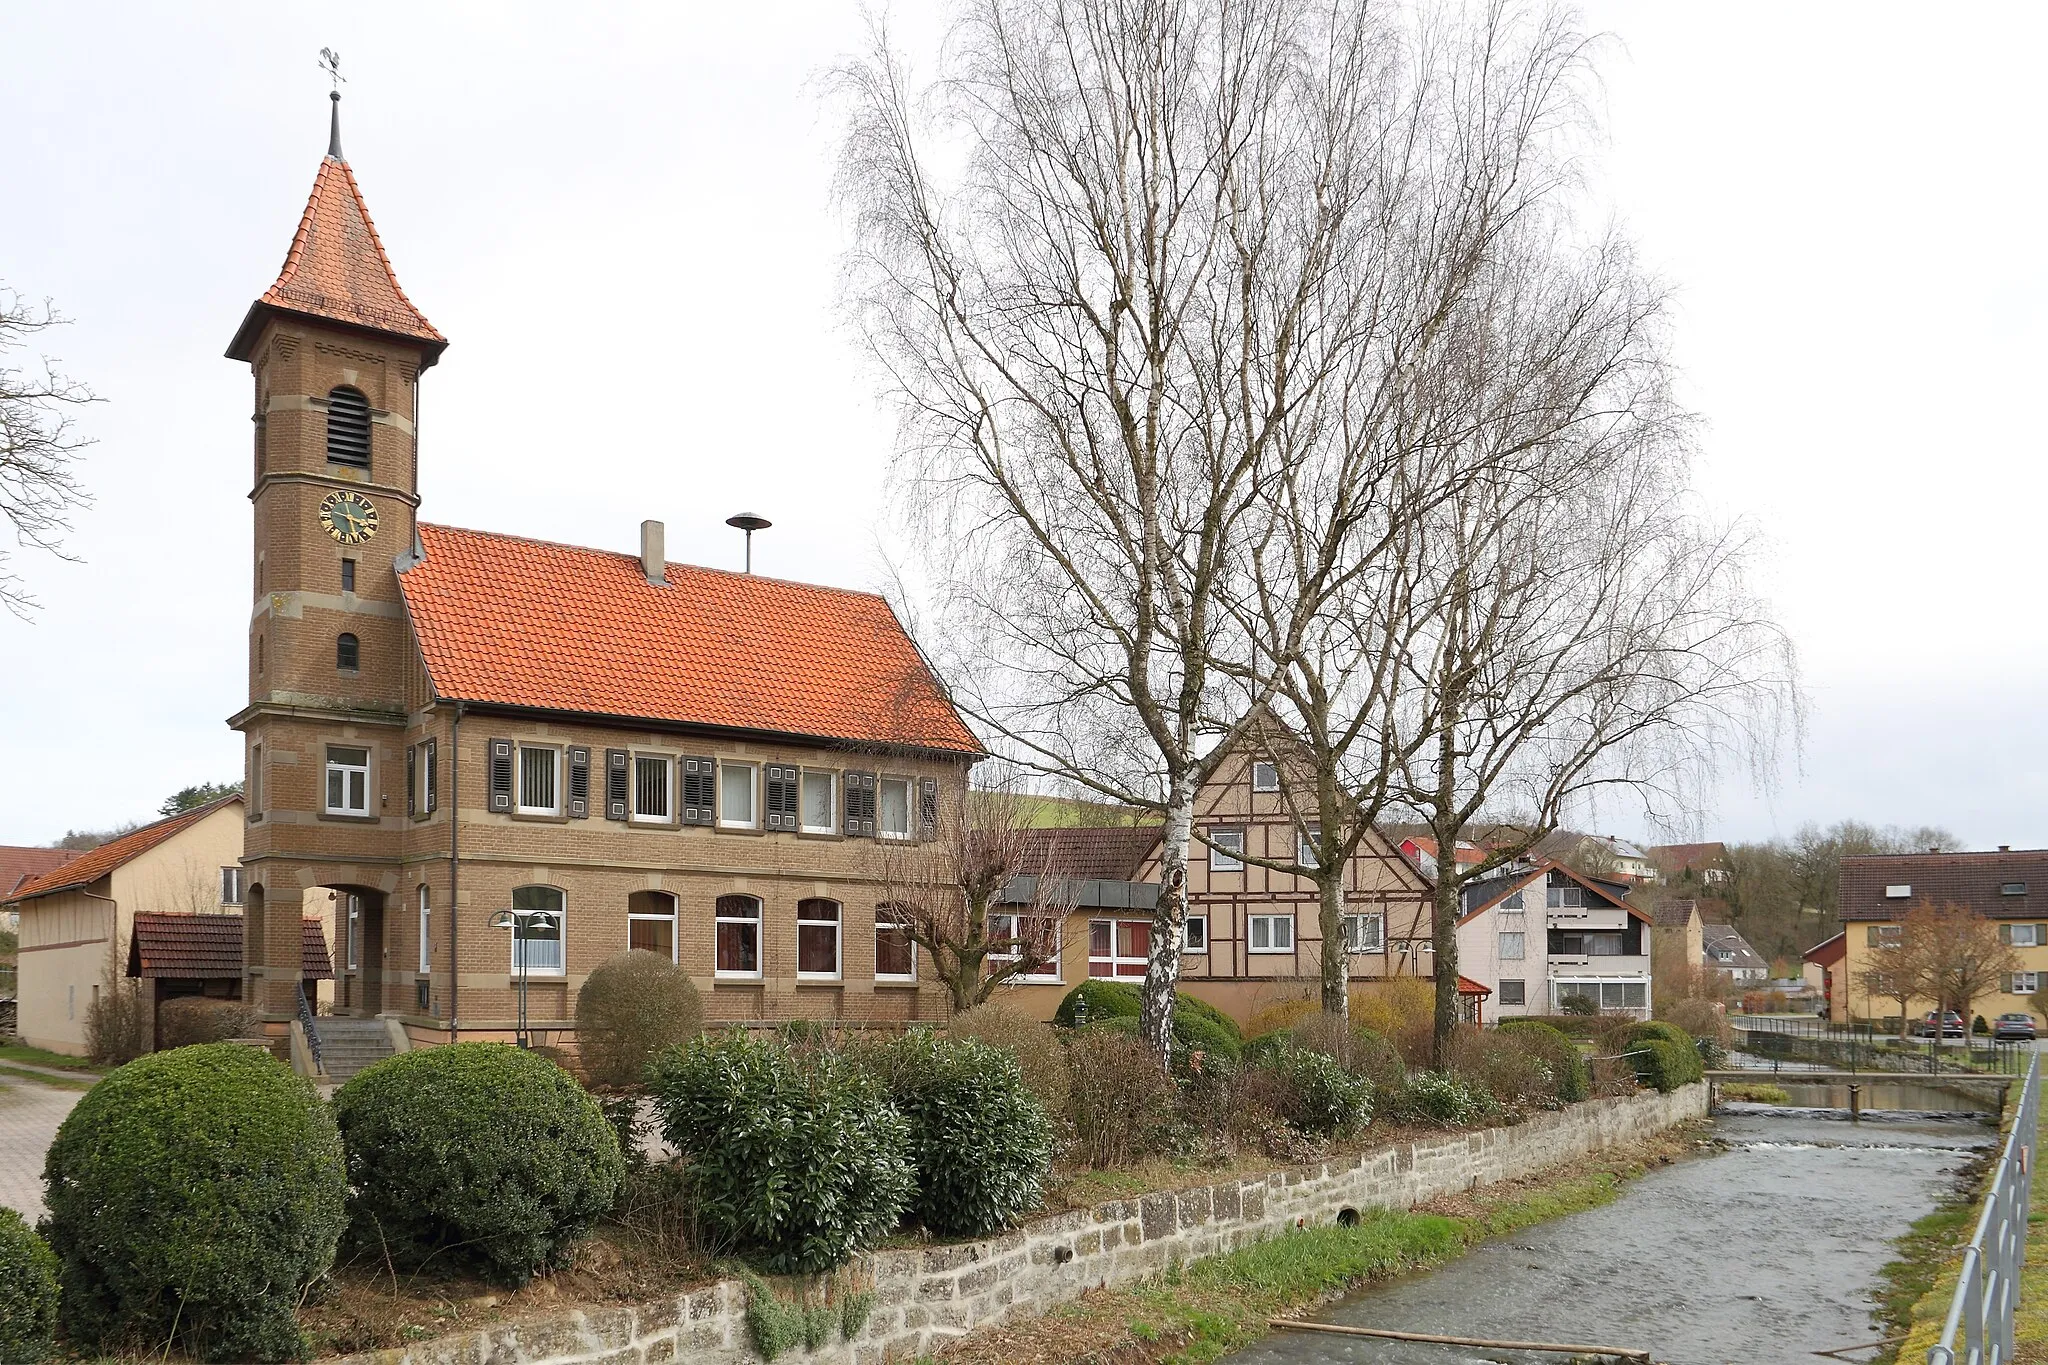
(1763, 1249)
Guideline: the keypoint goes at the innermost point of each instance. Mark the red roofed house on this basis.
(76, 919)
(445, 724)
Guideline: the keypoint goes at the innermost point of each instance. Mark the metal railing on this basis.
(1862, 1047)
(1981, 1315)
(312, 1029)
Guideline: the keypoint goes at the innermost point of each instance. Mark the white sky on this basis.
(624, 228)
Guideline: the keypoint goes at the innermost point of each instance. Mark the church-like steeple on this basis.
(336, 269)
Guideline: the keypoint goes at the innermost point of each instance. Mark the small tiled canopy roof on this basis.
(1108, 853)
(336, 270)
(1467, 986)
(209, 947)
(1976, 881)
(95, 863)
(506, 621)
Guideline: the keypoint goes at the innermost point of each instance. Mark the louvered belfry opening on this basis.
(348, 427)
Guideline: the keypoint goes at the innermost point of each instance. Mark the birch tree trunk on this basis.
(1169, 927)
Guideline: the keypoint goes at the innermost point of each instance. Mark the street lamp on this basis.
(522, 923)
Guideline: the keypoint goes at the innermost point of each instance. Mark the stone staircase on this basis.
(349, 1045)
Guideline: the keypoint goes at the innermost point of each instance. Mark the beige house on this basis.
(76, 920)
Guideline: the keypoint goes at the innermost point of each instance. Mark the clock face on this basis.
(349, 517)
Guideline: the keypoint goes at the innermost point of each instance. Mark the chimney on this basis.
(653, 553)
(2005, 848)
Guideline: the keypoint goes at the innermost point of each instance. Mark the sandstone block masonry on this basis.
(926, 1298)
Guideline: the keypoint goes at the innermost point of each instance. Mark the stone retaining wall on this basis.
(926, 1297)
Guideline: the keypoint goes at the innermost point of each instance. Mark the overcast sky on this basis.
(624, 229)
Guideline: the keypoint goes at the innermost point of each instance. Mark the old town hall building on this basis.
(446, 724)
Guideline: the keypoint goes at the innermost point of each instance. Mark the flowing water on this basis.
(1761, 1252)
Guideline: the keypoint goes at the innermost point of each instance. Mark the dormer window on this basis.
(348, 428)
(2013, 889)
(1898, 891)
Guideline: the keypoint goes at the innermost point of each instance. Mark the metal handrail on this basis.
(1988, 1292)
(312, 1029)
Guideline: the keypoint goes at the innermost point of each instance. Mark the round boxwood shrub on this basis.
(1659, 1029)
(193, 1196)
(796, 1158)
(629, 1009)
(1198, 1026)
(1663, 1064)
(1568, 1066)
(28, 1293)
(477, 1155)
(981, 1141)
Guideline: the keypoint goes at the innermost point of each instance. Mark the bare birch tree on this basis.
(39, 447)
(1139, 275)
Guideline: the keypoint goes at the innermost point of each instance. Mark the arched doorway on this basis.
(352, 918)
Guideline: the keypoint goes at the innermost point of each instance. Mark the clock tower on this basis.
(336, 350)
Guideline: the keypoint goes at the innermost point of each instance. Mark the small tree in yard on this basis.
(948, 898)
(1895, 975)
(1963, 956)
(116, 1020)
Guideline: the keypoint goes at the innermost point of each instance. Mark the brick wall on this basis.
(924, 1298)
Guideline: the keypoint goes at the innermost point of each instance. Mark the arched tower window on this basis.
(347, 654)
(348, 427)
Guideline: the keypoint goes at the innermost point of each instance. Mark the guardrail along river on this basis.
(1762, 1251)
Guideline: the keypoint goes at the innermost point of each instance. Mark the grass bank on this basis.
(1207, 1309)
(39, 1078)
(1920, 1284)
(62, 1061)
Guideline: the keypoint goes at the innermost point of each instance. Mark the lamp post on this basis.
(521, 923)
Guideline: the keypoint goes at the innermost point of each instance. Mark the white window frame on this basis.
(426, 909)
(520, 807)
(1115, 960)
(1305, 840)
(231, 888)
(1220, 859)
(561, 940)
(359, 771)
(1260, 769)
(1555, 897)
(352, 929)
(1188, 944)
(759, 920)
(838, 927)
(1271, 922)
(1354, 918)
(753, 772)
(673, 919)
(1050, 973)
(2025, 983)
(2031, 940)
(886, 918)
(1560, 987)
(803, 782)
(1521, 945)
(668, 788)
(909, 785)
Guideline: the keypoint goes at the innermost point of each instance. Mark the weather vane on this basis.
(330, 62)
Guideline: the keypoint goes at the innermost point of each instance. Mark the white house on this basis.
(1540, 934)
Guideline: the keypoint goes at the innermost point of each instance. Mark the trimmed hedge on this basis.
(193, 1196)
(28, 1293)
(1658, 1028)
(795, 1156)
(982, 1143)
(476, 1154)
(1663, 1055)
(1197, 1024)
(1568, 1065)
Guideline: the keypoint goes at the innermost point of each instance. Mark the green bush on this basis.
(1979, 1026)
(28, 1293)
(1437, 1097)
(1198, 1026)
(1584, 1006)
(1320, 1097)
(1664, 1064)
(629, 1009)
(795, 1157)
(1659, 1029)
(193, 1196)
(474, 1154)
(1570, 1072)
(1095, 1000)
(981, 1142)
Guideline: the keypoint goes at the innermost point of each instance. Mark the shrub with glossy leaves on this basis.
(631, 1007)
(1037, 1047)
(1319, 1096)
(796, 1157)
(474, 1154)
(981, 1141)
(28, 1293)
(193, 1196)
(1440, 1098)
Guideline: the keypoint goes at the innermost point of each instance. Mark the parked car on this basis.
(1948, 1024)
(2008, 1027)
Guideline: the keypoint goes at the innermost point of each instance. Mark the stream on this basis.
(1763, 1252)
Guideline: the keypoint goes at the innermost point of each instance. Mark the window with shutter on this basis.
(412, 775)
(859, 800)
(501, 775)
(432, 758)
(700, 791)
(928, 808)
(618, 794)
(579, 782)
(780, 798)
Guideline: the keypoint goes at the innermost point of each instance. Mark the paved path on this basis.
(29, 1115)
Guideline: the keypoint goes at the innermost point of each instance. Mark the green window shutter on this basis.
(2005, 933)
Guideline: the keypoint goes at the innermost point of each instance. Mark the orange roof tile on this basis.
(336, 269)
(95, 863)
(18, 865)
(506, 621)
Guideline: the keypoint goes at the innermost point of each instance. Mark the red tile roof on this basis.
(209, 947)
(337, 270)
(1467, 986)
(1672, 859)
(95, 863)
(18, 865)
(1974, 880)
(506, 621)
(1108, 853)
